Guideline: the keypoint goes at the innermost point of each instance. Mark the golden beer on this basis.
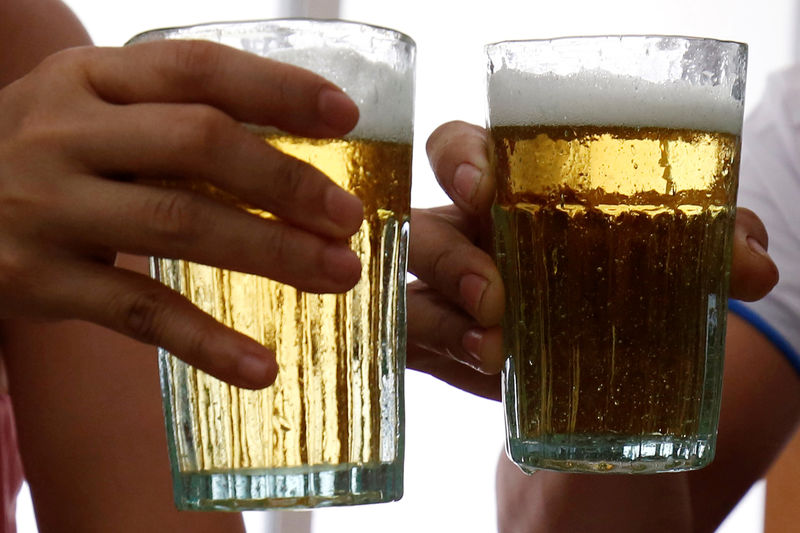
(616, 161)
(329, 431)
(336, 354)
(616, 243)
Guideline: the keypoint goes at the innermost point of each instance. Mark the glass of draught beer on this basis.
(330, 430)
(616, 160)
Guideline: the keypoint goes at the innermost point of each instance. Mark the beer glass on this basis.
(616, 160)
(330, 430)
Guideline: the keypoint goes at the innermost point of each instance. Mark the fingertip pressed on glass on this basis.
(616, 160)
(330, 430)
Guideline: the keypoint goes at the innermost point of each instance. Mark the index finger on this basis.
(249, 88)
(442, 255)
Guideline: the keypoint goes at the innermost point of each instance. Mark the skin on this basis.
(90, 431)
(81, 316)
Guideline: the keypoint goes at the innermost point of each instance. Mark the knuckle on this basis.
(198, 340)
(144, 316)
(195, 62)
(425, 315)
(440, 325)
(197, 131)
(441, 267)
(176, 215)
(277, 243)
(140, 314)
(16, 270)
(67, 59)
(286, 91)
(445, 336)
(292, 179)
(48, 105)
(37, 130)
(294, 257)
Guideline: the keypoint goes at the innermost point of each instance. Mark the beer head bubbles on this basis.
(384, 96)
(600, 98)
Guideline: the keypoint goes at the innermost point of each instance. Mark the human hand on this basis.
(456, 306)
(84, 136)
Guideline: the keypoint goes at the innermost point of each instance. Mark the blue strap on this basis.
(778, 340)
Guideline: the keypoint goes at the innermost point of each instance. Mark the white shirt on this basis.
(769, 184)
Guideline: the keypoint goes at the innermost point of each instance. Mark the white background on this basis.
(453, 439)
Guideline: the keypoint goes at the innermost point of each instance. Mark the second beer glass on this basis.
(330, 430)
(616, 160)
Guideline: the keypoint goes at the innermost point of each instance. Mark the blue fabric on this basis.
(755, 320)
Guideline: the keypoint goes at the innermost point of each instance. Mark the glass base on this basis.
(619, 454)
(289, 488)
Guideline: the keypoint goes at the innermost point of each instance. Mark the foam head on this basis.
(384, 95)
(621, 81)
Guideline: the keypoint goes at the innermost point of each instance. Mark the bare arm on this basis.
(91, 431)
(87, 404)
(760, 412)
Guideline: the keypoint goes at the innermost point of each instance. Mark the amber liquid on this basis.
(337, 399)
(614, 244)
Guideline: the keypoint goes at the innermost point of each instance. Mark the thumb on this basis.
(753, 273)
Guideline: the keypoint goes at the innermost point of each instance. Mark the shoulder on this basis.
(30, 30)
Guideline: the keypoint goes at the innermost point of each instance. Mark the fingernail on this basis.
(341, 264)
(345, 209)
(472, 287)
(255, 369)
(336, 109)
(471, 342)
(756, 246)
(466, 180)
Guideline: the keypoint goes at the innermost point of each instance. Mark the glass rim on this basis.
(388, 34)
(614, 36)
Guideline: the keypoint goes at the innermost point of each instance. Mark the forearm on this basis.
(760, 412)
(551, 502)
(91, 430)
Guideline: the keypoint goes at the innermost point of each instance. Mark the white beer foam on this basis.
(385, 97)
(600, 98)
